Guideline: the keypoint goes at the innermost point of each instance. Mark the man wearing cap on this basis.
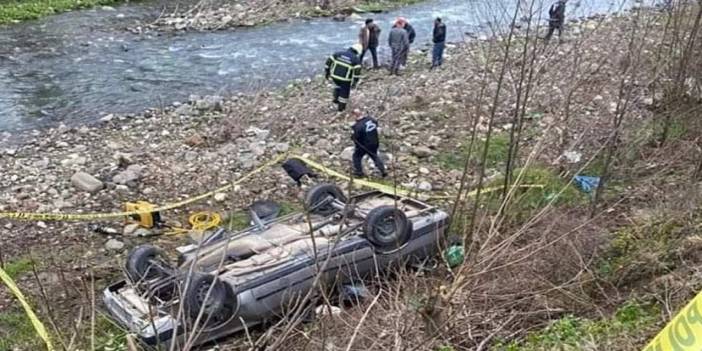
(344, 69)
(365, 140)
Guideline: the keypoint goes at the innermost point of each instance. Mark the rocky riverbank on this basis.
(195, 146)
(208, 15)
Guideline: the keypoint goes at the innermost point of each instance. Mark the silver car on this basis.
(235, 280)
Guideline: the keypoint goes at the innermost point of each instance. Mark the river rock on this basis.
(131, 174)
(195, 140)
(209, 103)
(257, 148)
(424, 186)
(421, 151)
(257, 133)
(282, 147)
(220, 197)
(347, 154)
(86, 182)
(130, 229)
(114, 245)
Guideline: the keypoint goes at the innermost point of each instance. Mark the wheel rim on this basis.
(386, 230)
(201, 295)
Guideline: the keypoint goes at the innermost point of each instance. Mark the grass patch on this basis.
(12, 11)
(496, 155)
(17, 332)
(525, 201)
(239, 220)
(572, 333)
(16, 268)
(639, 252)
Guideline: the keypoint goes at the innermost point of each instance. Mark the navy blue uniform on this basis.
(365, 137)
(344, 68)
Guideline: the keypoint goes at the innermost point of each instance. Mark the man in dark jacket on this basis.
(369, 37)
(365, 139)
(439, 40)
(344, 69)
(556, 19)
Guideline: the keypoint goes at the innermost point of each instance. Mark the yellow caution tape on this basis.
(98, 216)
(395, 190)
(38, 325)
(388, 189)
(684, 332)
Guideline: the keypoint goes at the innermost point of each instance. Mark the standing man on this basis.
(344, 69)
(369, 38)
(556, 19)
(439, 39)
(399, 43)
(411, 36)
(365, 139)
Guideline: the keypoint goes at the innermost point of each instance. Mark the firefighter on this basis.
(344, 69)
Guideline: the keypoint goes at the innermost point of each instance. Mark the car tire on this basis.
(196, 298)
(319, 193)
(140, 265)
(387, 228)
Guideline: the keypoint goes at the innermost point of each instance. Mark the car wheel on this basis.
(387, 228)
(196, 298)
(145, 262)
(318, 194)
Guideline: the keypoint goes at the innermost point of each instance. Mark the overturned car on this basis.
(231, 281)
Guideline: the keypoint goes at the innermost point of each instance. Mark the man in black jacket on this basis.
(344, 69)
(556, 19)
(439, 40)
(365, 139)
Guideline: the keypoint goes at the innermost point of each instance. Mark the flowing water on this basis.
(76, 67)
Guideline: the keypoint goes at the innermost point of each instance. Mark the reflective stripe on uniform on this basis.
(349, 70)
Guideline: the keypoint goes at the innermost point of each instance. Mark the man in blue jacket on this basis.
(365, 139)
(344, 69)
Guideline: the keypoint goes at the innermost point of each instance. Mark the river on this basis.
(76, 67)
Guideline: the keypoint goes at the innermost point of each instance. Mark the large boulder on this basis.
(86, 182)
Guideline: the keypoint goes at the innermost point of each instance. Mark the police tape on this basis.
(28, 216)
(36, 323)
(75, 217)
(682, 333)
(395, 190)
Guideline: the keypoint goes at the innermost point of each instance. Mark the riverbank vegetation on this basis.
(14, 11)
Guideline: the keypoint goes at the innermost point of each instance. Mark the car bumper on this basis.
(150, 330)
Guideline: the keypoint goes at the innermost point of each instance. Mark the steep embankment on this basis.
(542, 258)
